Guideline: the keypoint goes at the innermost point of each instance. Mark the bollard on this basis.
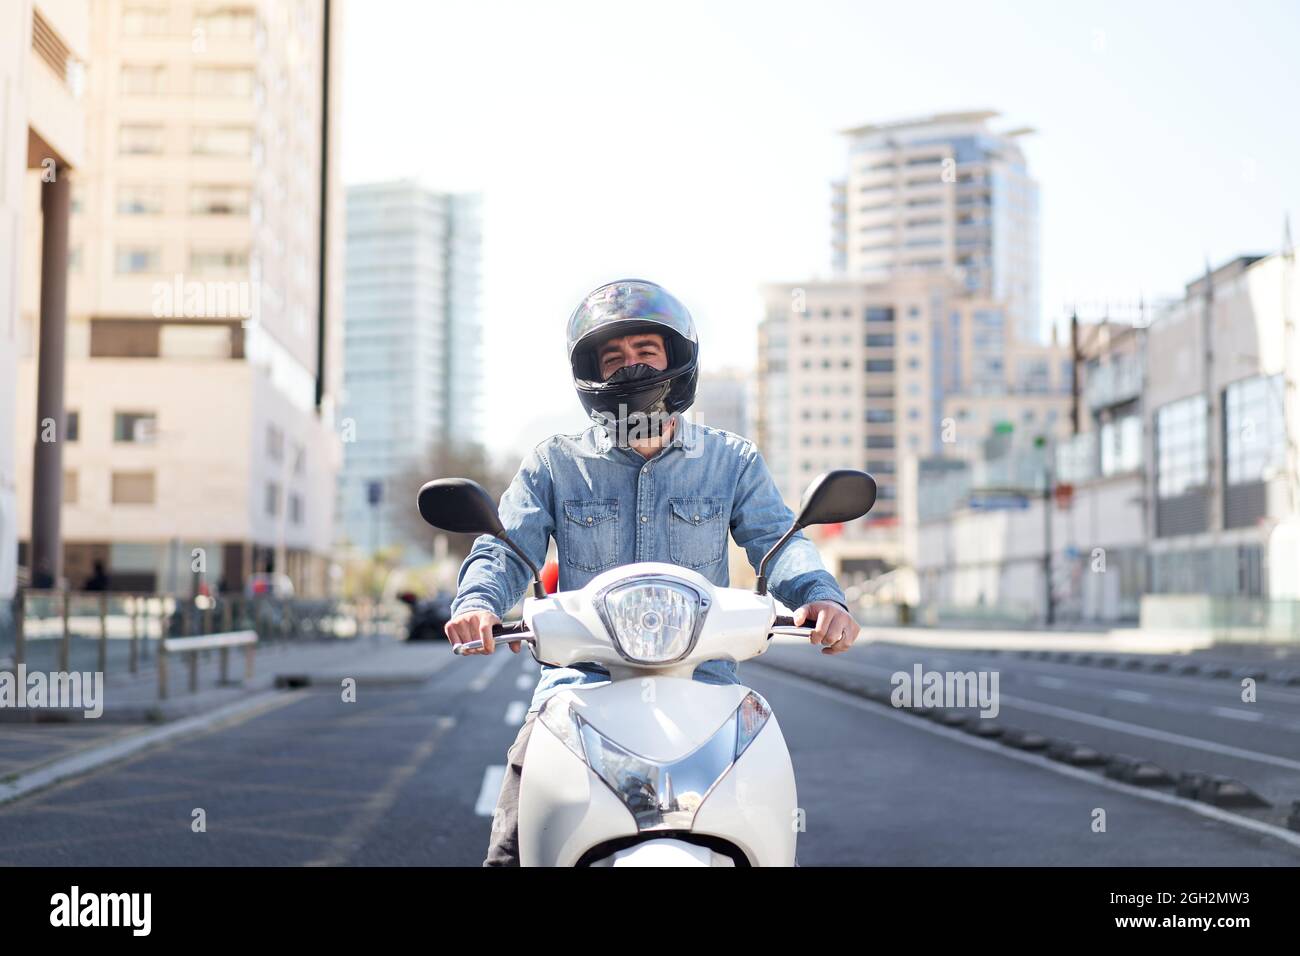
(135, 635)
(194, 672)
(225, 660)
(103, 632)
(162, 657)
(248, 662)
(65, 650)
(20, 640)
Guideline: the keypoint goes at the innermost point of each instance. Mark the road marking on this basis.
(1134, 695)
(1236, 714)
(515, 712)
(1137, 730)
(525, 681)
(490, 790)
(1204, 809)
(353, 836)
(499, 660)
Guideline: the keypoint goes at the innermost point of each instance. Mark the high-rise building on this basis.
(412, 379)
(942, 195)
(854, 374)
(43, 50)
(203, 315)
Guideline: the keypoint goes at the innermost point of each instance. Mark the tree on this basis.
(442, 460)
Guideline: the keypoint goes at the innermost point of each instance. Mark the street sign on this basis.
(374, 492)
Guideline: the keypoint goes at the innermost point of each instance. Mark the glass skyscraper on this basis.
(411, 352)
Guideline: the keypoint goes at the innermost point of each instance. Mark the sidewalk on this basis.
(31, 739)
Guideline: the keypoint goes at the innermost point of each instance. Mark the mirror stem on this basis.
(539, 592)
(760, 585)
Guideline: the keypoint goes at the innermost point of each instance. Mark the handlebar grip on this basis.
(505, 630)
(783, 620)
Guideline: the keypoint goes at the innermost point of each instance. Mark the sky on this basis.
(694, 143)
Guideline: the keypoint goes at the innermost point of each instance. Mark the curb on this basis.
(95, 757)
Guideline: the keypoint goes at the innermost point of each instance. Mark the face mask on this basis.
(634, 373)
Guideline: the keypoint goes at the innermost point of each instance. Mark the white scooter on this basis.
(653, 768)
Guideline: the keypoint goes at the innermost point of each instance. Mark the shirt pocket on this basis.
(590, 533)
(697, 531)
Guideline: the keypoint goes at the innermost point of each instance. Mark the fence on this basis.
(119, 632)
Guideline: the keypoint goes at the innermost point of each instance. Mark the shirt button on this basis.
(697, 517)
(644, 519)
(588, 519)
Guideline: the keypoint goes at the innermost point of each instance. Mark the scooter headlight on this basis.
(653, 621)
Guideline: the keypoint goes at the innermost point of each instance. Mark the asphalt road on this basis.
(397, 778)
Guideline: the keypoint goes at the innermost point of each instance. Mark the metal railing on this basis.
(119, 632)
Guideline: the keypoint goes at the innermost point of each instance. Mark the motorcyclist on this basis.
(641, 484)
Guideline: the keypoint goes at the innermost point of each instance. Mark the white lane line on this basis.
(490, 790)
(1204, 809)
(525, 681)
(515, 712)
(1055, 683)
(1134, 695)
(499, 660)
(1137, 730)
(1236, 714)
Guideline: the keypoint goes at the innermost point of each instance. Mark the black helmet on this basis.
(636, 396)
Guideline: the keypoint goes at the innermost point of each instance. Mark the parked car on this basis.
(428, 616)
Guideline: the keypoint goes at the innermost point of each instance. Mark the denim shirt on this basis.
(608, 506)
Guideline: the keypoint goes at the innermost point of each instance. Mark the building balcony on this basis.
(1113, 384)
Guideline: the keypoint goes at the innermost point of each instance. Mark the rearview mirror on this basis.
(835, 496)
(462, 506)
(459, 505)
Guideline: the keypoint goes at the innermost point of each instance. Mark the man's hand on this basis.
(473, 625)
(834, 626)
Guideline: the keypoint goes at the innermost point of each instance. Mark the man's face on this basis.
(639, 348)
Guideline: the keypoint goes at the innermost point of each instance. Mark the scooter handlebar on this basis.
(785, 625)
(514, 631)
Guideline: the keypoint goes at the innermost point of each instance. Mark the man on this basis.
(643, 484)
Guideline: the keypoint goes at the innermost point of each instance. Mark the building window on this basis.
(228, 21)
(880, 441)
(207, 261)
(1255, 438)
(135, 427)
(223, 81)
(215, 199)
(71, 426)
(295, 508)
(880, 416)
(274, 443)
(144, 21)
(139, 199)
(137, 260)
(139, 139)
(1180, 447)
(1121, 445)
(880, 341)
(221, 141)
(70, 488)
(133, 487)
(880, 365)
(139, 80)
(272, 498)
(879, 314)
